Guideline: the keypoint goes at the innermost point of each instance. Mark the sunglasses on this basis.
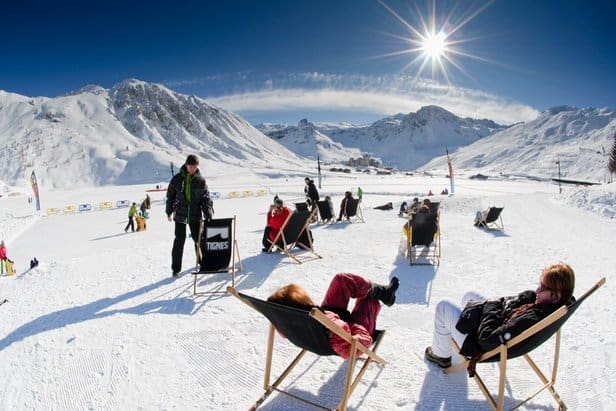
(543, 287)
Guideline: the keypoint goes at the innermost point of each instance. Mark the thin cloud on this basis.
(377, 95)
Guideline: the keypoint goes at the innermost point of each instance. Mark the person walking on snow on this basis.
(188, 202)
(131, 214)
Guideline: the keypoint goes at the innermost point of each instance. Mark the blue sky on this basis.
(274, 61)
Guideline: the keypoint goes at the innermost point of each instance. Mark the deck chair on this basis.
(219, 251)
(522, 345)
(301, 206)
(424, 239)
(352, 210)
(294, 239)
(493, 220)
(325, 212)
(308, 330)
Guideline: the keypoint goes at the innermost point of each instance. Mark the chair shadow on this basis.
(415, 281)
(101, 309)
(446, 392)
(495, 232)
(256, 269)
(329, 395)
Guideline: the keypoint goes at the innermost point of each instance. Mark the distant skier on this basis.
(34, 263)
(131, 214)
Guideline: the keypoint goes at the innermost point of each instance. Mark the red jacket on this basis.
(275, 220)
(3, 252)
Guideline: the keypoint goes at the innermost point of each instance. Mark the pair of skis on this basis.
(4, 301)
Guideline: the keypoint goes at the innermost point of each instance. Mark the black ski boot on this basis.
(385, 293)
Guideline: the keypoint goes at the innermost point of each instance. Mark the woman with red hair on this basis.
(361, 322)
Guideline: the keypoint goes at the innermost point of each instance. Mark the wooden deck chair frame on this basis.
(232, 268)
(358, 216)
(292, 247)
(506, 351)
(350, 382)
(493, 220)
(431, 252)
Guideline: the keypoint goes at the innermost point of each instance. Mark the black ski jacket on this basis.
(189, 203)
(493, 330)
(311, 192)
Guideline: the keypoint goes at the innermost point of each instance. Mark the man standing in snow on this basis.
(312, 194)
(188, 202)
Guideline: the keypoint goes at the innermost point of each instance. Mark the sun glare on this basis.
(434, 45)
(435, 41)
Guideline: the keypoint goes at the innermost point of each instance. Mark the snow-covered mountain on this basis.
(128, 134)
(307, 141)
(580, 139)
(404, 141)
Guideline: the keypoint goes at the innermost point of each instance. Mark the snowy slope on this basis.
(306, 140)
(406, 141)
(128, 134)
(580, 139)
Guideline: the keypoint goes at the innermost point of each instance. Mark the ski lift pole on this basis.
(319, 170)
(560, 190)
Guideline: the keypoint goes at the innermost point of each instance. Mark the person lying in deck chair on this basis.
(360, 323)
(499, 319)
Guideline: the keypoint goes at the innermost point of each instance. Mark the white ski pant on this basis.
(445, 318)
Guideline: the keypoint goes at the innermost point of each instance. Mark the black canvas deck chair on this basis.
(294, 238)
(522, 345)
(424, 239)
(309, 330)
(219, 252)
(352, 210)
(325, 212)
(493, 220)
(301, 206)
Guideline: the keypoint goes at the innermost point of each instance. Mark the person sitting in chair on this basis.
(404, 208)
(414, 206)
(425, 206)
(497, 320)
(330, 204)
(276, 216)
(361, 322)
(481, 216)
(343, 204)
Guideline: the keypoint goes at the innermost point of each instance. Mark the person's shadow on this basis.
(101, 309)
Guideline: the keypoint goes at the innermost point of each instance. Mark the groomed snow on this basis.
(100, 324)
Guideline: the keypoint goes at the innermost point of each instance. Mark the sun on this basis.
(435, 41)
(434, 45)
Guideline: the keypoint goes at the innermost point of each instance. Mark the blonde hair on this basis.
(292, 295)
(559, 278)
